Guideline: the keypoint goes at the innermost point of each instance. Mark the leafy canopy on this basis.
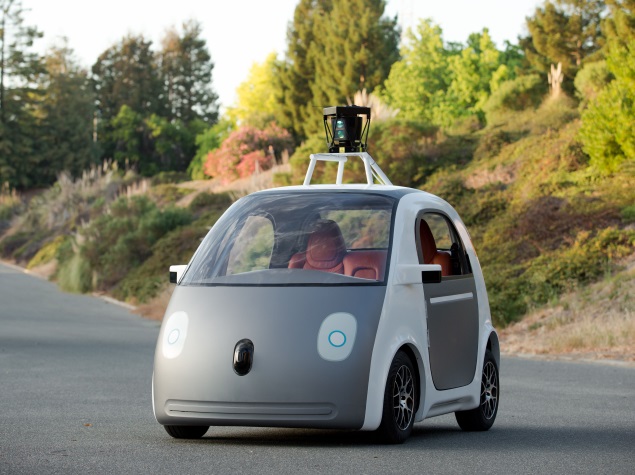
(256, 102)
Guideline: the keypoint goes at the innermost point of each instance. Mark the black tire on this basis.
(482, 417)
(186, 432)
(400, 398)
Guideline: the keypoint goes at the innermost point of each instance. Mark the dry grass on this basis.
(240, 187)
(596, 322)
(68, 202)
(45, 271)
(140, 187)
(9, 197)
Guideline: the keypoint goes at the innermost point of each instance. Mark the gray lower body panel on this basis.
(290, 384)
(453, 331)
(253, 414)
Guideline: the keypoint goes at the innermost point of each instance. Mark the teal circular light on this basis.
(337, 338)
(341, 134)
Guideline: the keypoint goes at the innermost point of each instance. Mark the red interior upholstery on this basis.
(325, 250)
(365, 264)
(297, 261)
(429, 250)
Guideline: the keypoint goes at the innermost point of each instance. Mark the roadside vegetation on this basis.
(532, 143)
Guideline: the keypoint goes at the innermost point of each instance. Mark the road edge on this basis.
(105, 298)
(570, 359)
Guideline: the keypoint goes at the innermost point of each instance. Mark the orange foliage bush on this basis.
(243, 148)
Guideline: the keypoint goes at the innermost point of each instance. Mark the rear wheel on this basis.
(186, 432)
(482, 417)
(399, 401)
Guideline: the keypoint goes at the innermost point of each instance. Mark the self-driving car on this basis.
(345, 306)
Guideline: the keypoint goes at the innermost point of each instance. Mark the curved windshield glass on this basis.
(297, 238)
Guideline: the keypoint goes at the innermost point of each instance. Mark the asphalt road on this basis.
(75, 376)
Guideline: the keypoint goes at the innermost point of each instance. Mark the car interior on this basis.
(326, 251)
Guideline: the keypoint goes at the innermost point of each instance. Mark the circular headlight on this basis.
(174, 334)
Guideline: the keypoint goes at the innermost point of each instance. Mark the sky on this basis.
(241, 32)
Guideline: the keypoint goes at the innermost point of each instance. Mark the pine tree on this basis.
(297, 73)
(67, 115)
(354, 49)
(620, 35)
(126, 74)
(19, 99)
(334, 48)
(567, 32)
(186, 67)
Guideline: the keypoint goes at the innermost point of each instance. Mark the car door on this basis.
(452, 305)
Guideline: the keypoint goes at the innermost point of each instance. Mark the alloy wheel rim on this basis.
(403, 397)
(489, 390)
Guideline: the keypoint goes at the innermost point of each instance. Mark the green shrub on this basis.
(165, 195)
(176, 247)
(300, 159)
(47, 253)
(492, 143)
(607, 127)
(628, 214)
(591, 79)
(6, 213)
(403, 150)
(583, 262)
(484, 205)
(408, 152)
(205, 201)
(506, 293)
(516, 288)
(466, 125)
(74, 275)
(165, 178)
(10, 205)
(10, 244)
(23, 245)
(118, 242)
(554, 113)
(282, 179)
(517, 94)
(449, 187)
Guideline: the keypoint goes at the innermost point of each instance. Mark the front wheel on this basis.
(482, 417)
(186, 432)
(399, 401)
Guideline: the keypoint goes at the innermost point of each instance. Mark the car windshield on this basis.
(297, 238)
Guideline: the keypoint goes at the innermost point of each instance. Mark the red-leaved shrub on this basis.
(238, 154)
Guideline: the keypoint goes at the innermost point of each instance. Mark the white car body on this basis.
(442, 326)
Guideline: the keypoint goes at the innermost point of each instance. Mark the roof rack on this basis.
(373, 172)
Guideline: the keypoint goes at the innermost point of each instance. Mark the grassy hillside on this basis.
(554, 235)
(543, 220)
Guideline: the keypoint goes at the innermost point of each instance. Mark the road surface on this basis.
(75, 376)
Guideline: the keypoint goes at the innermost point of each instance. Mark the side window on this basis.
(253, 246)
(362, 228)
(440, 231)
(439, 243)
